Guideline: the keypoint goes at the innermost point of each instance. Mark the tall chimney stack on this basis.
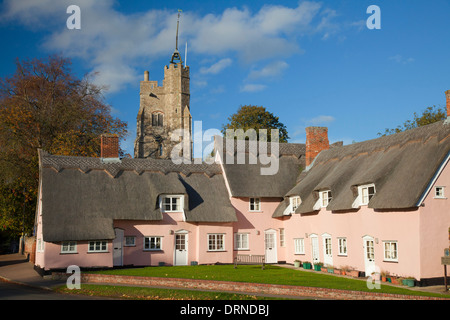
(316, 141)
(109, 146)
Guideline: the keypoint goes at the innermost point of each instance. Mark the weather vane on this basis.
(176, 55)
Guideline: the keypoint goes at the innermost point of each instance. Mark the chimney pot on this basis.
(316, 141)
(146, 75)
(109, 146)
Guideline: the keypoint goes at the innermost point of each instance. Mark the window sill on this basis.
(441, 198)
(216, 251)
(89, 252)
(152, 250)
(64, 253)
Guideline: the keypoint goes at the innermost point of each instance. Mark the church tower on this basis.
(164, 110)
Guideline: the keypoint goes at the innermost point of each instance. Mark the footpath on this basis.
(16, 269)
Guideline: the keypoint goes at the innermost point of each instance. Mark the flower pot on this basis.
(317, 268)
(297, 264)
(394, 280)
(324, 269)
(383, 279)
(337, 271)
(306, 265)
(354, 273)
(408, 282)
(330, 270)
(343, 272)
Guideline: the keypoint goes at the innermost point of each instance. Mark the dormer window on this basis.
(254, 204)
(172, 203)
(295, 203)
(325, 198)
(365, 194)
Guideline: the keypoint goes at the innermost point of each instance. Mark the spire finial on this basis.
(176, 55)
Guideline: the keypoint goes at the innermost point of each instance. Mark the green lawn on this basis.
(272, 275)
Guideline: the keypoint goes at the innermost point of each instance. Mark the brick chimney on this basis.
(447, 95)
(316, 141)
(109, 146)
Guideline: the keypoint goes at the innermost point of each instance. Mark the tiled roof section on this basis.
(85, 164)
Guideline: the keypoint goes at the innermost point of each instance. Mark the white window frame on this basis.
(439, 192)
(364, 196)
(241, 241)
(299, 246)
(178, 206)
(390, 253)
(295, 203)
(153, 240)
(325, 198)
(99, 246)
(282, 237)
(40, 245)
(69, 247)
(342, 246)
(256, 203)
(216, 242)
(129, 244)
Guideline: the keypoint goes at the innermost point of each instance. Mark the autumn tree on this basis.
(44, 106)
(428, 116)
(254, 117)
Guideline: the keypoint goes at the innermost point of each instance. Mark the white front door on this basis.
(327, 252)
(181, 252)
(270, 244)
(118, 247)
(369, 255)
(315, 249)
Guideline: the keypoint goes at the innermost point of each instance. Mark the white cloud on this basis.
(400, 59)
(253, 87)
(117, 43)
(320, 120)
(271, 70)
(217, 67)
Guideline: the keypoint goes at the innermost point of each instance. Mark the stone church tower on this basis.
(163, 111)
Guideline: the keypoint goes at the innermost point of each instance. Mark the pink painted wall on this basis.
(399, 226)
(255, 223)
(171, 223)
(434, 228)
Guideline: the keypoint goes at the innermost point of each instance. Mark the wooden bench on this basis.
(249, 259)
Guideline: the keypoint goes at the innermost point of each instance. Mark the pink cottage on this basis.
(378, 205)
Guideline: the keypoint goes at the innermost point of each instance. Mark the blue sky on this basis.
(310, 63)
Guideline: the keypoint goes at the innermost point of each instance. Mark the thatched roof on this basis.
(82, 196)
(400, 165)
(246, 180)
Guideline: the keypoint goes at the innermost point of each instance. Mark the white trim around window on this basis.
(69, 247)
(299, 246)
(439, 192)
(365, 194)
(324, 200)
(129, 241)
(153, 243)
(98, 246)
(241, 241)
(294, 203)
(254, 205)
(390, 249)
(216, 242)
(342, 246)
(171, 203)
